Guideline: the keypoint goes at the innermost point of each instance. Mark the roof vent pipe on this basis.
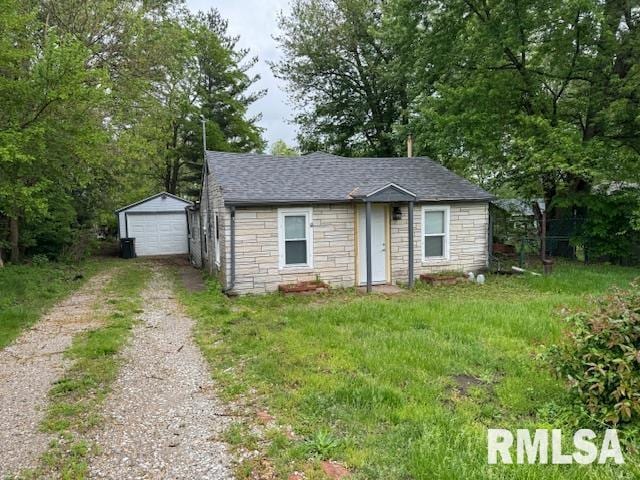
(204, 136)
(410, 146)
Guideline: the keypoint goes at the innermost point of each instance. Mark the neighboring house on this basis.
(158, 224)
(268, 220)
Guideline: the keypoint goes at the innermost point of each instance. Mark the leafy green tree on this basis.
(204, 74)
(47, 125)
(536, 97)
(279, 147)
(343, 77)
(101, 105)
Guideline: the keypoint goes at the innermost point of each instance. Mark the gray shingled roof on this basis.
(250, 178)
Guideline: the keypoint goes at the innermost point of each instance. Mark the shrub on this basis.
(600, 358)
(39, 259)
(611, 229)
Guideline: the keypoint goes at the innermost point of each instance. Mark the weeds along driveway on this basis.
(30, 365)
(162, 417)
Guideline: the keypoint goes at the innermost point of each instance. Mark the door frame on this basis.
(387, 234)
(159, 212)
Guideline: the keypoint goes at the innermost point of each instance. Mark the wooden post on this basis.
(368, 244)
(410, 246)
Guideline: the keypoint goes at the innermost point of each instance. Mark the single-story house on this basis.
(265, 220)
(158, 224)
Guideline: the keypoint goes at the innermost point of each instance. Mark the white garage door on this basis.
(159, 233)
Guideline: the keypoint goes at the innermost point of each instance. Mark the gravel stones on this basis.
(162, 419)
(28, 368)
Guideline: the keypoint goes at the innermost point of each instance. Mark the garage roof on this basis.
(250, 178)
(152, 197)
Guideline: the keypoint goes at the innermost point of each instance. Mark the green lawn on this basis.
(27, 290)
(381, 383)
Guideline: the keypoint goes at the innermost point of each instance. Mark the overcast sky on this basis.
(256, 21)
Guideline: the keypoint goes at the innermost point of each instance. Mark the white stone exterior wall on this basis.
(334, 245)
(468, 242)
(257, 253)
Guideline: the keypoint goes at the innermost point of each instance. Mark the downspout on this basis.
(186, 212)
(489, 237)
(232, 252)
(200, 233)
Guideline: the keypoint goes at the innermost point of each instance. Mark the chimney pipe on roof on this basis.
(204, 135)
(410, 146)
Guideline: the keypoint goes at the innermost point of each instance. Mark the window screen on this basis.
(295, 239)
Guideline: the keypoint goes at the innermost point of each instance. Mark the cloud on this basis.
(255, 21)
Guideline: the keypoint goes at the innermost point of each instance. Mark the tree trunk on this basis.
(1, 262)
(14, 239)
(175, 174)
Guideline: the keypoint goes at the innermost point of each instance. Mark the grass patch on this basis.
(26, 291)
(76, 398)
(374, 382)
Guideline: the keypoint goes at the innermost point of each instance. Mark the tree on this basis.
(203, 74)
(101, 105)
(280, 148)
(48, 96)
(341, 75)
(536, 98)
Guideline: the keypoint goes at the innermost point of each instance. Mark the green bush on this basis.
(611, 230)
(600, 359)
(39, 259)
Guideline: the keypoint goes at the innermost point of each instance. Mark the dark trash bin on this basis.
(128, 247)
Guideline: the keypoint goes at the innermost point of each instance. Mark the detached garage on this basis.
(158, 224)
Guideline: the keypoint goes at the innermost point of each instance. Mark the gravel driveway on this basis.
(29, 366)
(162, 419)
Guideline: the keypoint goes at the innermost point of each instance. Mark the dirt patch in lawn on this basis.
(28, 368)
(464, 383)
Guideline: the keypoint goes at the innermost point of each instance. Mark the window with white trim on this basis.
(435, 233)
(216, 236)
(295, 240)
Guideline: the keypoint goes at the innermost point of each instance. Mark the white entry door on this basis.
(378, 244)
(159, 233)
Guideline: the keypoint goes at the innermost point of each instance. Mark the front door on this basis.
(378, 244)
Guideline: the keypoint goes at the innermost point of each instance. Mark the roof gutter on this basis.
(232, 252)
(265, 203)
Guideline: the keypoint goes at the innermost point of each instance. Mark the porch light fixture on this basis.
(397, 213)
